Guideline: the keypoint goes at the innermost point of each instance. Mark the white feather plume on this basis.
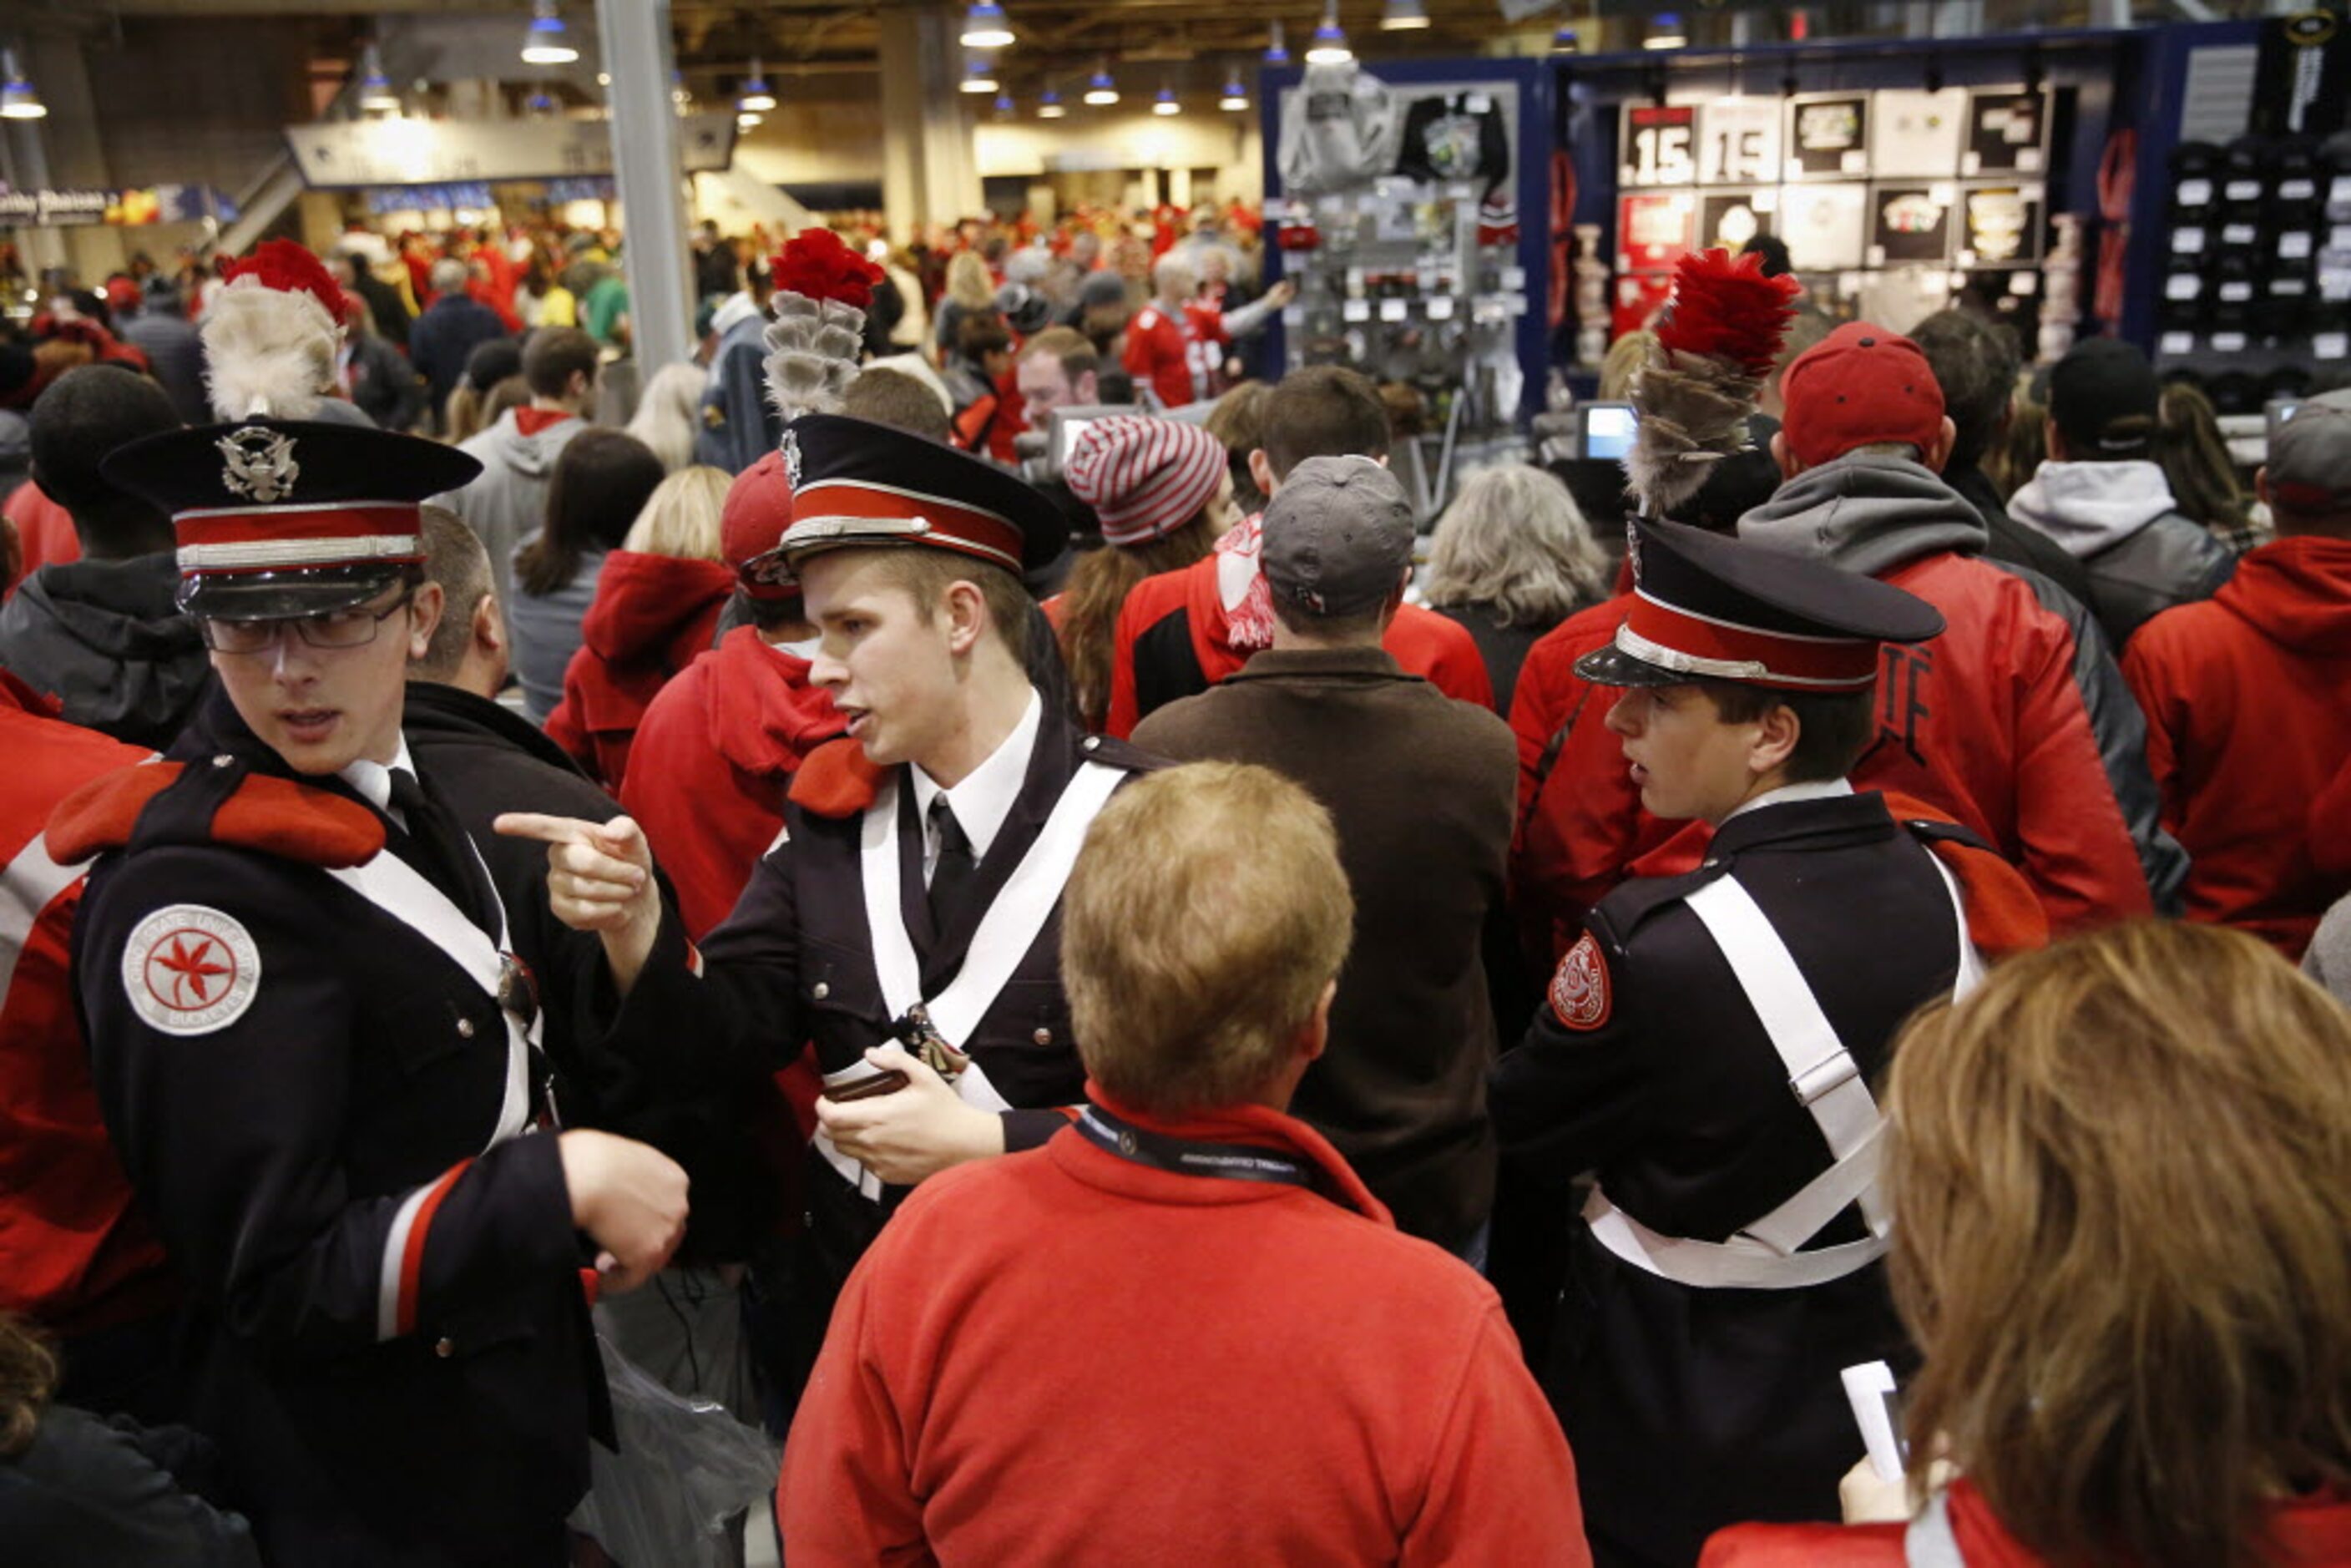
(812, 349)
(267, 351)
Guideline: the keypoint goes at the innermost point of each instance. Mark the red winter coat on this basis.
(1061, 1357)
(653, 615)
(44, 530)
(721, 743)
(1986, 722)
(1176, 619)
(2316, 1533)
(75, 1253)
(2248, 702)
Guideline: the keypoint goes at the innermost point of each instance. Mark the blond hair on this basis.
(681, 517)
(1206, 914)
(968, 282)
(2121, 1176)
(670, 414)
(1622, 362)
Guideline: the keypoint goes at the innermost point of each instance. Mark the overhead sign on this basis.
(79, 205)
(347, 154)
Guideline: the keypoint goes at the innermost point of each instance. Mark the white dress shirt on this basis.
(984, 799)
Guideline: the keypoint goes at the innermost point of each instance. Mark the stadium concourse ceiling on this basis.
(717, 39)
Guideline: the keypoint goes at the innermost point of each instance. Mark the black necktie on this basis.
(952, 873)
(439, 849)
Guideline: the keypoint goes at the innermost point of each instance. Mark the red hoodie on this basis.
(653, 615)
(2247, 703)
(76, 1252)
(722, 742)
(2310, 1534)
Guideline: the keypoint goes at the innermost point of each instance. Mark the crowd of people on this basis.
(1126, 1003)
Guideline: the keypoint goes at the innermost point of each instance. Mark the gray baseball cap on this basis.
(1338, 536)
(2309, 465)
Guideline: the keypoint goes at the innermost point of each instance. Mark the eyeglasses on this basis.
(354, 628)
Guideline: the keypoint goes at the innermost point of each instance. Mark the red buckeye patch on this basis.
(191, 969)
(1580, 997)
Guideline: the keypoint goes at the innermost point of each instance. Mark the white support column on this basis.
(637, 54)
(928, 172)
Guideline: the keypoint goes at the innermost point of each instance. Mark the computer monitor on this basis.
(1068, 423)
(1606, 430)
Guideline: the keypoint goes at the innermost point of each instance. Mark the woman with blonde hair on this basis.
(970, 288)
(658, 602)
(670, 414)
(1163, 491)
(1624, 360)
(1512, 558)
(2121, 1180)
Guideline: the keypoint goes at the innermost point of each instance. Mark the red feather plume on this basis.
(814, 262)
(282, 264)
(1724, 305)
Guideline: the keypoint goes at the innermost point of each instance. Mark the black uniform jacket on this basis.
(794, 962)
(1689, 1409)
(391, 1338)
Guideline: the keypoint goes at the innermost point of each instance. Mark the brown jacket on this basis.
(1421, 789)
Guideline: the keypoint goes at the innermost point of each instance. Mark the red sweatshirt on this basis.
(2248, 703)
(1061, 1357)
(653, 615)
(75, 1254)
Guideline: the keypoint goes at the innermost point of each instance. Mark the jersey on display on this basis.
(1828, 137)
(1653, 232)
(1909, 224)
(2006, 134)
(1739, 142)
(1916, 134)
(1456, 136)
(1658, 144)
(1823, 226)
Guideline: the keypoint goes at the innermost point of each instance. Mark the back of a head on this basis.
(448, 275)
(681, 517)
(601, 481)
(2194, 455)
(669, 414)
(1623, 361)
(2122, 1183)
(79, 418)
(1772, 249)
(2309, 471)
(968, 283)
(1514, 540)
(1325, 410)
(1193, 955)
(1976, 363)
(455, 558)
(1859, 386)
(1173, 277)
(981, 333)
(553, 355)
(897, 400)
(2105, 402)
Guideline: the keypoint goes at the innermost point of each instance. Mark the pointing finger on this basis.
(547, 829)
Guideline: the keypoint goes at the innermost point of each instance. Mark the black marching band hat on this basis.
(277, 518)
(1707, 607)
(858, 483)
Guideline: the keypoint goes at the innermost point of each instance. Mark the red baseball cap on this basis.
(751, 525)
(1860, 386)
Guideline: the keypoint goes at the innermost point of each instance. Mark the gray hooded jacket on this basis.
(507, 504)
(1874, 514)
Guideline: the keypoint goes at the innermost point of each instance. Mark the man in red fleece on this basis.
(2248, 698)
(719, 744)
(1182, 631)
(1231, 1319)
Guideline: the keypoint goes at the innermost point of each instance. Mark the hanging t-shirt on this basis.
(1456, 136)
(1338, 131)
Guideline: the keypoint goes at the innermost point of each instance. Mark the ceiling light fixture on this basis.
(1235, 98)
(746, 118)
(978, 78)
(1666, 32)
(548, 41)
(1330, 46)
(1404, 16)
(1101, 92)
(757, 97)
(376, 95)
(1277, 52)
(983, 27)
(540, 106)
(1165, 103)
(1051, 107)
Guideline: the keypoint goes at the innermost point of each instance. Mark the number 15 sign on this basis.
(1732, 141)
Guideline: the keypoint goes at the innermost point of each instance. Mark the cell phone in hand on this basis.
(1877, 1411)
(888, 1082)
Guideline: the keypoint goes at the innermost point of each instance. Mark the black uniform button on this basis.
(444, 1347)
(465, 1029)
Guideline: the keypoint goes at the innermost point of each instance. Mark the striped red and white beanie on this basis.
(1144, 477)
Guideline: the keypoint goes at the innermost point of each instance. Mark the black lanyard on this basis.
(1229, 1162)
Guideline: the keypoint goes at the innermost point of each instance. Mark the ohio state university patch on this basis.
(1580, 997)
(189, 969)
